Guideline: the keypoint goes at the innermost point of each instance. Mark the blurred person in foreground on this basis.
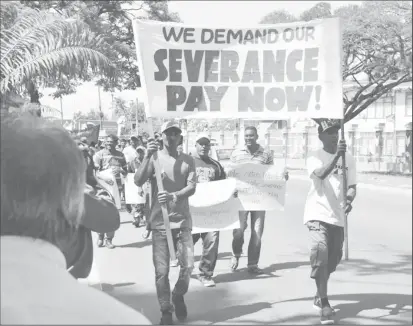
(110, 158)
(323, 212)
(37, 224)
(178, 178)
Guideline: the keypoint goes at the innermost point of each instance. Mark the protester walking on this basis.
(252, 152)
(110, 158)
(207, 170)
(179, 181)
(324, 214)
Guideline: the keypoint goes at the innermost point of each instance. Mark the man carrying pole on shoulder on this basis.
(324, 214)
(179, 181)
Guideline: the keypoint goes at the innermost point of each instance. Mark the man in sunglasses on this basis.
(179, 182)
(207, 169)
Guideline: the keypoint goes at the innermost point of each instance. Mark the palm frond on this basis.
(43, 45)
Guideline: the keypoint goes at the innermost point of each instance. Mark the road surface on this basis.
(373, 287)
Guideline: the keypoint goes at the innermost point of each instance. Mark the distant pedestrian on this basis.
(323, 213)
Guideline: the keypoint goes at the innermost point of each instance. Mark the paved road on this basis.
(373, 287)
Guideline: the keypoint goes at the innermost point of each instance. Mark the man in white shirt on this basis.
(42, 205)
(323, 214)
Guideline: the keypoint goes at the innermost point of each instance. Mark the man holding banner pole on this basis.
(178, 179)
(324, 214)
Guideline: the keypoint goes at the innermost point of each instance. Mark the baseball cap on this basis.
(170, 124)
(327, 124)
(202, 135)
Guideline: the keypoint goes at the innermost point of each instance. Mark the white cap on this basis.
(202, 135)
(170, 124)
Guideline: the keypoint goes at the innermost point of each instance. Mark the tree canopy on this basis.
(377, 47)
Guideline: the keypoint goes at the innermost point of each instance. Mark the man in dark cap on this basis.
(324, 214)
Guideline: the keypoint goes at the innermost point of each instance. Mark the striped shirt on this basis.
(260, 156)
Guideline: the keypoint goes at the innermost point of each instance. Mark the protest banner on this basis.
(213, 206)
(260, 187)
(132, 191)
(218, 217)
(269, 71)
(102, 178)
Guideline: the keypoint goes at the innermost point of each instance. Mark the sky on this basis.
(208, 13)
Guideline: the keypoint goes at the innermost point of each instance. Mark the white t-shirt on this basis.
(324, 200)
(130, 153)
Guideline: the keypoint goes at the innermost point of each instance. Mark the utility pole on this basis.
(100, 109)
(136, 117)
(61, 109)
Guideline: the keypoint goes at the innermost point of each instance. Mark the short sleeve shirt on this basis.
(325, 196)
(243, 155)
(208, 169)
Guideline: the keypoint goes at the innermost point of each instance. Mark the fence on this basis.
(293, 148)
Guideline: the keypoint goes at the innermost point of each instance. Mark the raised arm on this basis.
(323, 171)
(146, 169)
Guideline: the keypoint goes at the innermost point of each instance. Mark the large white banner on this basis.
(260, 187)
(267, 71)
(214, 207)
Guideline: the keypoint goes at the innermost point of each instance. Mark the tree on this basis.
(377, 48)
(40, 48)
(91, 115)
(112, 20)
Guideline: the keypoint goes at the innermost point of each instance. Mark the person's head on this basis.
(328, 134)
(250, 136)
(122, 143)
(42, 179)
(141, 153)
(84, 141)
(111, 142)
(202, 145)
(134, 141)
(171, 134)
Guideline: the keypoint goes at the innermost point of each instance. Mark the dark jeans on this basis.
(210, 243)
(161, 260)
(257, 229)
(107, 236)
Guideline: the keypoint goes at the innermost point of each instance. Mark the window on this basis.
(409, 104)
(380, 109)
(401, 145)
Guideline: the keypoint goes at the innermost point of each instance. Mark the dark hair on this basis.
(123, 139)
(251, 128)
(113, 137)
(92, 144)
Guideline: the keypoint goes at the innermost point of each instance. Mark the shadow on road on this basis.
(227, 313)
(375, 305)
(240, 275)
(139, 244)
(367, 267)
(287, 265)
(221, 256)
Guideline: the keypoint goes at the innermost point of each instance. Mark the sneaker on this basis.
(255, 270)
(206, 281)
(234, 263)
(166, 319)
(109, 244)
(318, 306)
(100, 243)
(327, 316)
(174, 263)
(180, 307)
